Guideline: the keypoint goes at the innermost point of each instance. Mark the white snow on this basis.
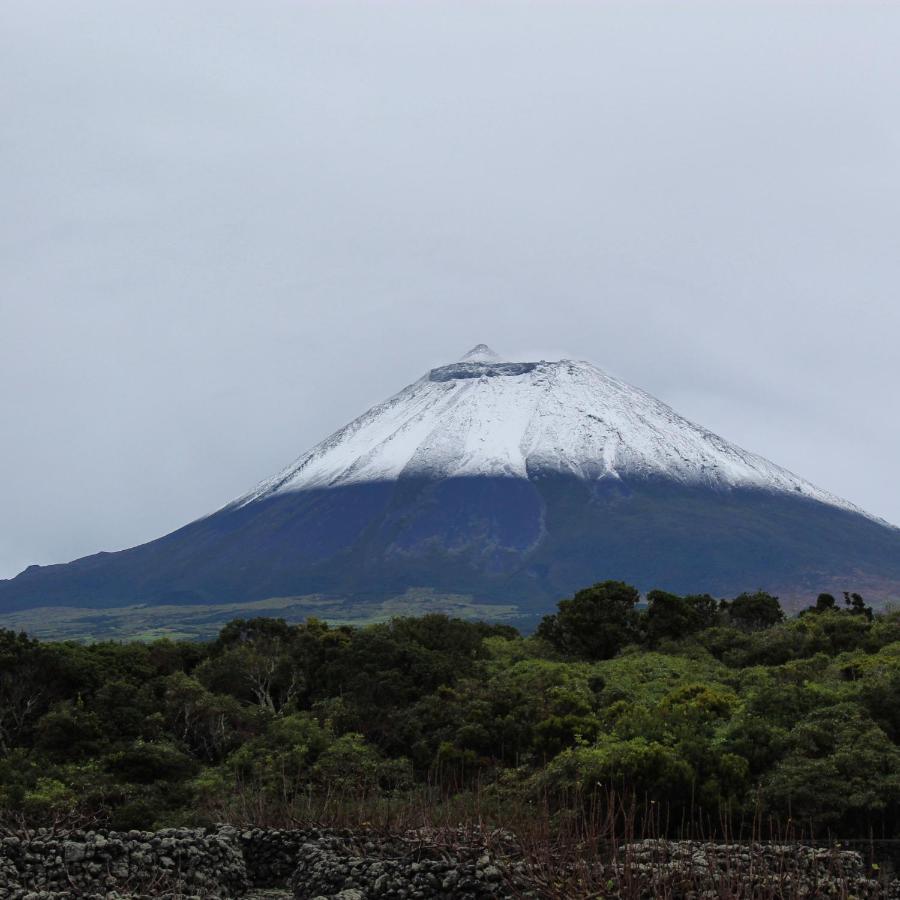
(482, 416)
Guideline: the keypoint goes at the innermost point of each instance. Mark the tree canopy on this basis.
(687, 701)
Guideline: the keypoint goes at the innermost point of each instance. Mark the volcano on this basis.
(512, 482)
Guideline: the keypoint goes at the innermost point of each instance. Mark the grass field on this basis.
(147, 623)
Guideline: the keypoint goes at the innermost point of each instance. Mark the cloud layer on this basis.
(229, 228)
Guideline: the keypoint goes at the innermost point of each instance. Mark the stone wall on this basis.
(314, 864)
(391, 870)
(225, 862)
(743, 870)
(173, 862)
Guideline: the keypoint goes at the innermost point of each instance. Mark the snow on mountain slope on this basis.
(485, 417)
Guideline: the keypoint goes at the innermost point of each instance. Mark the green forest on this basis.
(722, 713)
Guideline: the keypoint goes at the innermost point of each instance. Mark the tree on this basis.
(879, 692)
(23, 686)
(279, 762)
(858, 606)
(211, 725)
(753, 612)
(594, 624)
(252, 661)
(707, 609)
(144, 762)
(641, 767)
(842, 771)
(350, 765)
(670, 617)
(123, 708)
(854, 603)
(70, 731)
(757, 740)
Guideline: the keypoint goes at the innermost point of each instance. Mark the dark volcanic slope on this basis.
(521, 541)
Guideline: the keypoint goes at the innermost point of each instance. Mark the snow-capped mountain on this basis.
(483, 417)
(509, 483)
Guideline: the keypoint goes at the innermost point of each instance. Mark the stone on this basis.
(74, 851)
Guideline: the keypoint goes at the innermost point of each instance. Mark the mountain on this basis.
(508, 482)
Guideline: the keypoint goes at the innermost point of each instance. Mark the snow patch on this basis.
(485, 417)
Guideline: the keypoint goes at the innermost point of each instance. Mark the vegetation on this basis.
(202, 622)
(720, 713)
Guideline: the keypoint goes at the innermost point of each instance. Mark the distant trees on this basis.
(597, 622)
(854, 604)
(753, 612)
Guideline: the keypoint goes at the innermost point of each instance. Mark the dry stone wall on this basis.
(174, 862)
(313, 864)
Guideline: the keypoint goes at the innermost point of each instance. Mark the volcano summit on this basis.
(512, 482)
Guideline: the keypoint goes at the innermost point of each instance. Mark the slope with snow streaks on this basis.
(485, 417)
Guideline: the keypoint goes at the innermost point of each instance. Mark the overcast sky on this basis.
(227, 228)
